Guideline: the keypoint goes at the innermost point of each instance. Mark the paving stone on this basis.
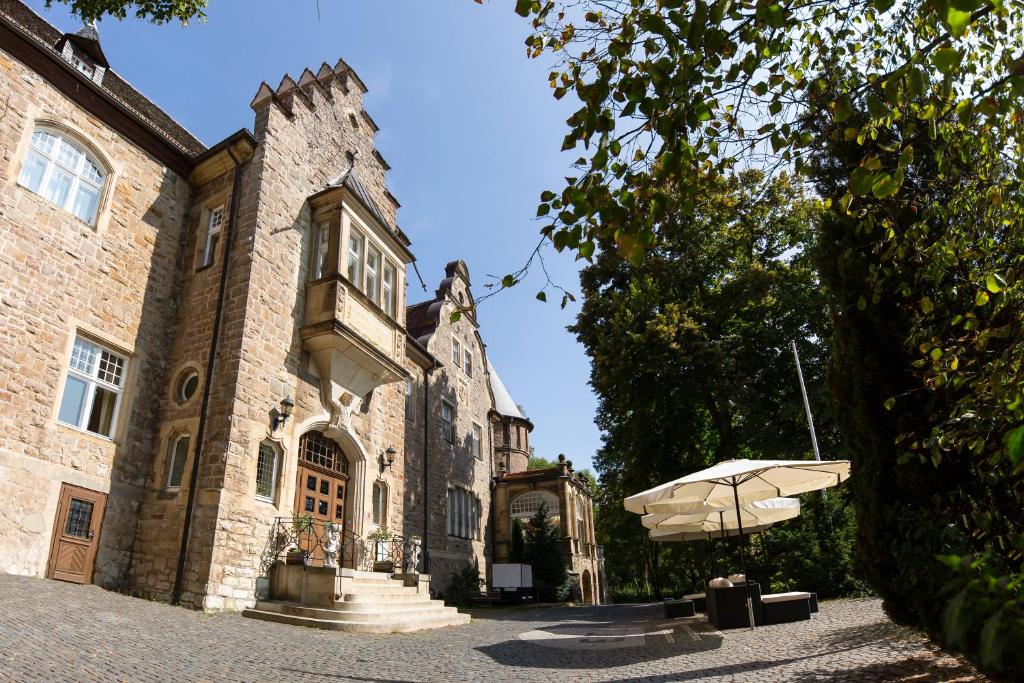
(56, 631)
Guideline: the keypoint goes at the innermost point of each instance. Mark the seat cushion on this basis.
(785, 597)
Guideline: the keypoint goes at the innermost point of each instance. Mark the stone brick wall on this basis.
(452, 464)
(306, 135)
(116, 282)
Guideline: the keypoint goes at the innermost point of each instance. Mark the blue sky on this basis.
(467, 123)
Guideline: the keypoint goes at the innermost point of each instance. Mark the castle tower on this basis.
(511, 429)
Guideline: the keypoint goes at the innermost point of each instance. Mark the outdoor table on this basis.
(679, 608)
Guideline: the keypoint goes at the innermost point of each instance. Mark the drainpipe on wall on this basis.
(208, 384)
(426, 462)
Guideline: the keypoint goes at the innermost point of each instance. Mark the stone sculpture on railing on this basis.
(412, 555)
(332, 543)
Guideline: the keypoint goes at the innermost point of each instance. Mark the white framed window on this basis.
(464, 513)
(186, 385)
(408, 399)
(380, 503)
(64, 173)
(82, 63)
(356, 247)
(321, 238)
(266, 471)
(372, 288)
(467, 364)
(214, 223)
(526, 505)
(387, 289)
(92, 388)
(456, 352)
(447, 421)
(177, 455)
(476, 439)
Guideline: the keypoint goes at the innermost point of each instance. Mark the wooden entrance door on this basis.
(320, 493)
(76, 534)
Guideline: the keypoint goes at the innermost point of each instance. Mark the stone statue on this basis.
(412, 555)
(332, 543)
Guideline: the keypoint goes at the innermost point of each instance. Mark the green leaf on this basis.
(946, 59)
(861, 180)
(547, 196)
(1015, 445)
(541, 296)
(524, 7)
(455, 316)
(958, 15)
(981, 298)
(862, 303)
(842, 109)
(884, 185)
(890, 403)
(543, 210)
(926, 305)
(994, 283)
(508, 281)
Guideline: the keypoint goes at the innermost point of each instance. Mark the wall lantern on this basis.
(387, 457)
(280, 416)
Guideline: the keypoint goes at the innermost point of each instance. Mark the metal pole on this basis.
(714, 565)
(743, 553)
(807, 403)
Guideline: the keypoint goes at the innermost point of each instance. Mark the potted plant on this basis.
(382, 561)
(294, 554)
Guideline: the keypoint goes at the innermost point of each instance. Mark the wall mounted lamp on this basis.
(280, 416)
(387, 457)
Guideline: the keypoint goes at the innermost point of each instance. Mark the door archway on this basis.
(587, 584)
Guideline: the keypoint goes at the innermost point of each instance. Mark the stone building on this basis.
(203, 345)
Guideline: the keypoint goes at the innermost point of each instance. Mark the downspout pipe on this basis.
(179, 573)
(426, 463)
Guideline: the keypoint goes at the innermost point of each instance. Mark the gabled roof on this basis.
(87, 39)
(46, 37)
(503, 403)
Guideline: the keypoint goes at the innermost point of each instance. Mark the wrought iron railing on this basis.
(303, 540)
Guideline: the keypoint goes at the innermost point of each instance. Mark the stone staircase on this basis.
(369, 603)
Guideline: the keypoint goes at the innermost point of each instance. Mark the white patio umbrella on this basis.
(742, 481)
(757, 516)
(753, 513)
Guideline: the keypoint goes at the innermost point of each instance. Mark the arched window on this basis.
(317, 449)
(380, 503)
(580, 522)
(526, 505)
(61, 171)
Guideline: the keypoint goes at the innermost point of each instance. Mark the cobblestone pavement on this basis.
(54, 631)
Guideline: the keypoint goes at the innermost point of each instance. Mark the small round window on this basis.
(185, 387)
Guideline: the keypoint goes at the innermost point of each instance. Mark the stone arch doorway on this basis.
(322, 480)
(587, 584)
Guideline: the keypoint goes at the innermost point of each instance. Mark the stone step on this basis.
(386, 597)
(391, 626)
(382, 616)
(387, 589)
(379, 606)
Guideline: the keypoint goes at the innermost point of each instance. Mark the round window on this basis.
(186, 386)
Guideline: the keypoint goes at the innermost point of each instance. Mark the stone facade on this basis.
(267, 267)
(460, 383)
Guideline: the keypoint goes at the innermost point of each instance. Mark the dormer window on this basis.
(83, 63)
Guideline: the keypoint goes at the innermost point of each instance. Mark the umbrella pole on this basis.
(743, 554)
(714, 565)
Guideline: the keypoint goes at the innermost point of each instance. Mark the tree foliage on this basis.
(905, 118)
(545, 553)
(157, 11)
(691, 364)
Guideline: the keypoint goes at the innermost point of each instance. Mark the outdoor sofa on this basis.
(780, 608)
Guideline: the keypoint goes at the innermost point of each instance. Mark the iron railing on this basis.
(303, 540)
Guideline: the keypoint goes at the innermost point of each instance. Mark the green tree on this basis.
(157, 11)
(517, 551)
(546, 555)
(691, 360)
(905, 116)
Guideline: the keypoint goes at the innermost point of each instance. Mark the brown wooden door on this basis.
(320, 493)
(76, 534)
